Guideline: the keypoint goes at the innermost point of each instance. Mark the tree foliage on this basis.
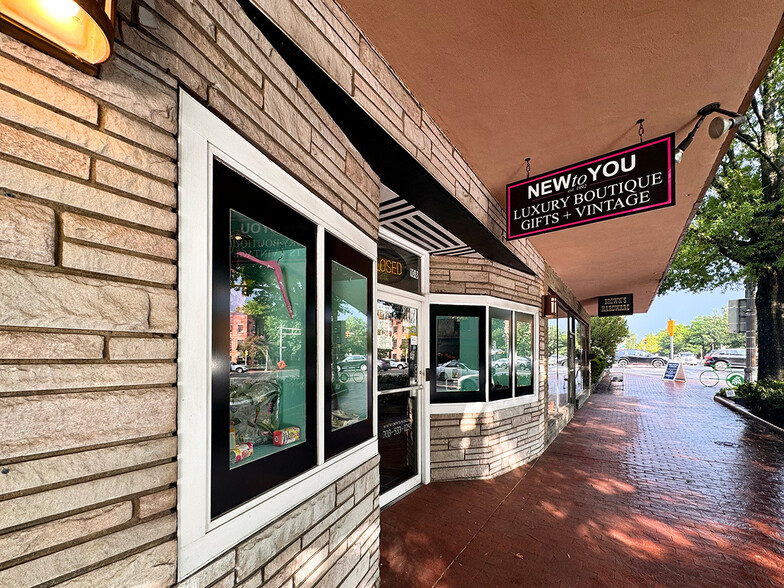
(738, 231)
(607, 332)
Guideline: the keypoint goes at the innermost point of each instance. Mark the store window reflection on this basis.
(267, 342)
(500, 353)
(457, 352)
(397, 340)
(523, 354)
(350, 349)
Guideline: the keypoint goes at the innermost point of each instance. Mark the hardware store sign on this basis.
(631, 180)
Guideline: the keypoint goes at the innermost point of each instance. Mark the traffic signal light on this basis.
(671, 327)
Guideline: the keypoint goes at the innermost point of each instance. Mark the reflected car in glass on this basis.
(384, 365)
(454, 369)
(353, 362)
(626, 357)
(239, 368)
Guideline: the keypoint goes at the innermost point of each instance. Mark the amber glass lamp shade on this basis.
(80, 32)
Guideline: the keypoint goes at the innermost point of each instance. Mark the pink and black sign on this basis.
(631, 180)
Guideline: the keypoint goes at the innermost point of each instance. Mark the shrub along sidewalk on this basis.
(764, 399)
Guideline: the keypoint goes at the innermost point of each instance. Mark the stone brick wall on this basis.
(88, 299)
(330, 540)
(328, 35)
(485, 445)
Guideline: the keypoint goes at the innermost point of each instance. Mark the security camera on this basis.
(720, 125)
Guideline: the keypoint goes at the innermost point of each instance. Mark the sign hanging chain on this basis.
(641, 130)
(527, 167)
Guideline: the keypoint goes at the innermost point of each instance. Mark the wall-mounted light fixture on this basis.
(78, 32)
(549, 305)
(717, 128)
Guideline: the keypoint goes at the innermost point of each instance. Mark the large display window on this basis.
(264, 341)
(457, 345)
(349, 377)
(255, 436)
(480, 353)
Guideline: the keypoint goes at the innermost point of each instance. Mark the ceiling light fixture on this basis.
(78, 32)
(718, 127)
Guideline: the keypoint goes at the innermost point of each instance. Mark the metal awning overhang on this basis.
(397, 169)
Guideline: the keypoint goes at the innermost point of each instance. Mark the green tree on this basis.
(712, 331)
(738, 233)
(607, 332)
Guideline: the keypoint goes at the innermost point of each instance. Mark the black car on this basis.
(353, 362)
(627, 357)
(384, 365)
(721, 359)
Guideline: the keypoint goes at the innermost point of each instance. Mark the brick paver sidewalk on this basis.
(659, 486)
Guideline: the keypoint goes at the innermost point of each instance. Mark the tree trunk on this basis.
(770, 324)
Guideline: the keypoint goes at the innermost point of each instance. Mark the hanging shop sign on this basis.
(616, 305)
(398, 267)
(631, 180)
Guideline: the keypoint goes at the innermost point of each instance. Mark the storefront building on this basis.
(250, 293)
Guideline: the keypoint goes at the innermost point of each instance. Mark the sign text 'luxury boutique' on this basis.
(627, 181)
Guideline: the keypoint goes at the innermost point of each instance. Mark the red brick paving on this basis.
(659, 486)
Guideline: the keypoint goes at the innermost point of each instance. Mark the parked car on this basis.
(239, 368)
(401, 365)
(721, 359)
(353, 362)
(454, 369)
(556, 358)
(626, 357)
(383, 365)
(687, 358)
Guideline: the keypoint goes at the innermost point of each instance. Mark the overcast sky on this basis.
(680, 306)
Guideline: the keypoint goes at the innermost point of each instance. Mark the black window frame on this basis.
(336, 442)
(467, 311)
(505, 314)
(230, 488)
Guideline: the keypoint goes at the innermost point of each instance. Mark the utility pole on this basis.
(751, 332)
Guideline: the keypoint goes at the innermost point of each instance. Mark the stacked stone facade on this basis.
(485, 445)
(88, 286)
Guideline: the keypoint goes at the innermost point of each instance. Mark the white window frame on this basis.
(492, 405)
(423, 400)
(203, 136)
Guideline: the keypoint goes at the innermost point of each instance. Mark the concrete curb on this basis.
(744, 411)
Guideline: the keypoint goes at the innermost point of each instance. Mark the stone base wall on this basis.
(330, 540)
(556, 421)
(485, 445)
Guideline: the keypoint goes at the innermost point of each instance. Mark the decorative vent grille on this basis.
(404, 220)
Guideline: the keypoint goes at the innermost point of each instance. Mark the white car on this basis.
(239, 368)
(454, 369)
(687, 358)
(401, 365)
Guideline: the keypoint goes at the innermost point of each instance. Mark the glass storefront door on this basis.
(399, 393)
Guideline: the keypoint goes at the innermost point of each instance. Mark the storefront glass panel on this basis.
(397, 343)
(267, 378)
(350, 347)
(397, 438)
(458, 346)
(523, 354)
(500, 354)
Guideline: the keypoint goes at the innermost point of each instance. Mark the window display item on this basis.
(284, 436)
(254, 410)
(241, 451)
